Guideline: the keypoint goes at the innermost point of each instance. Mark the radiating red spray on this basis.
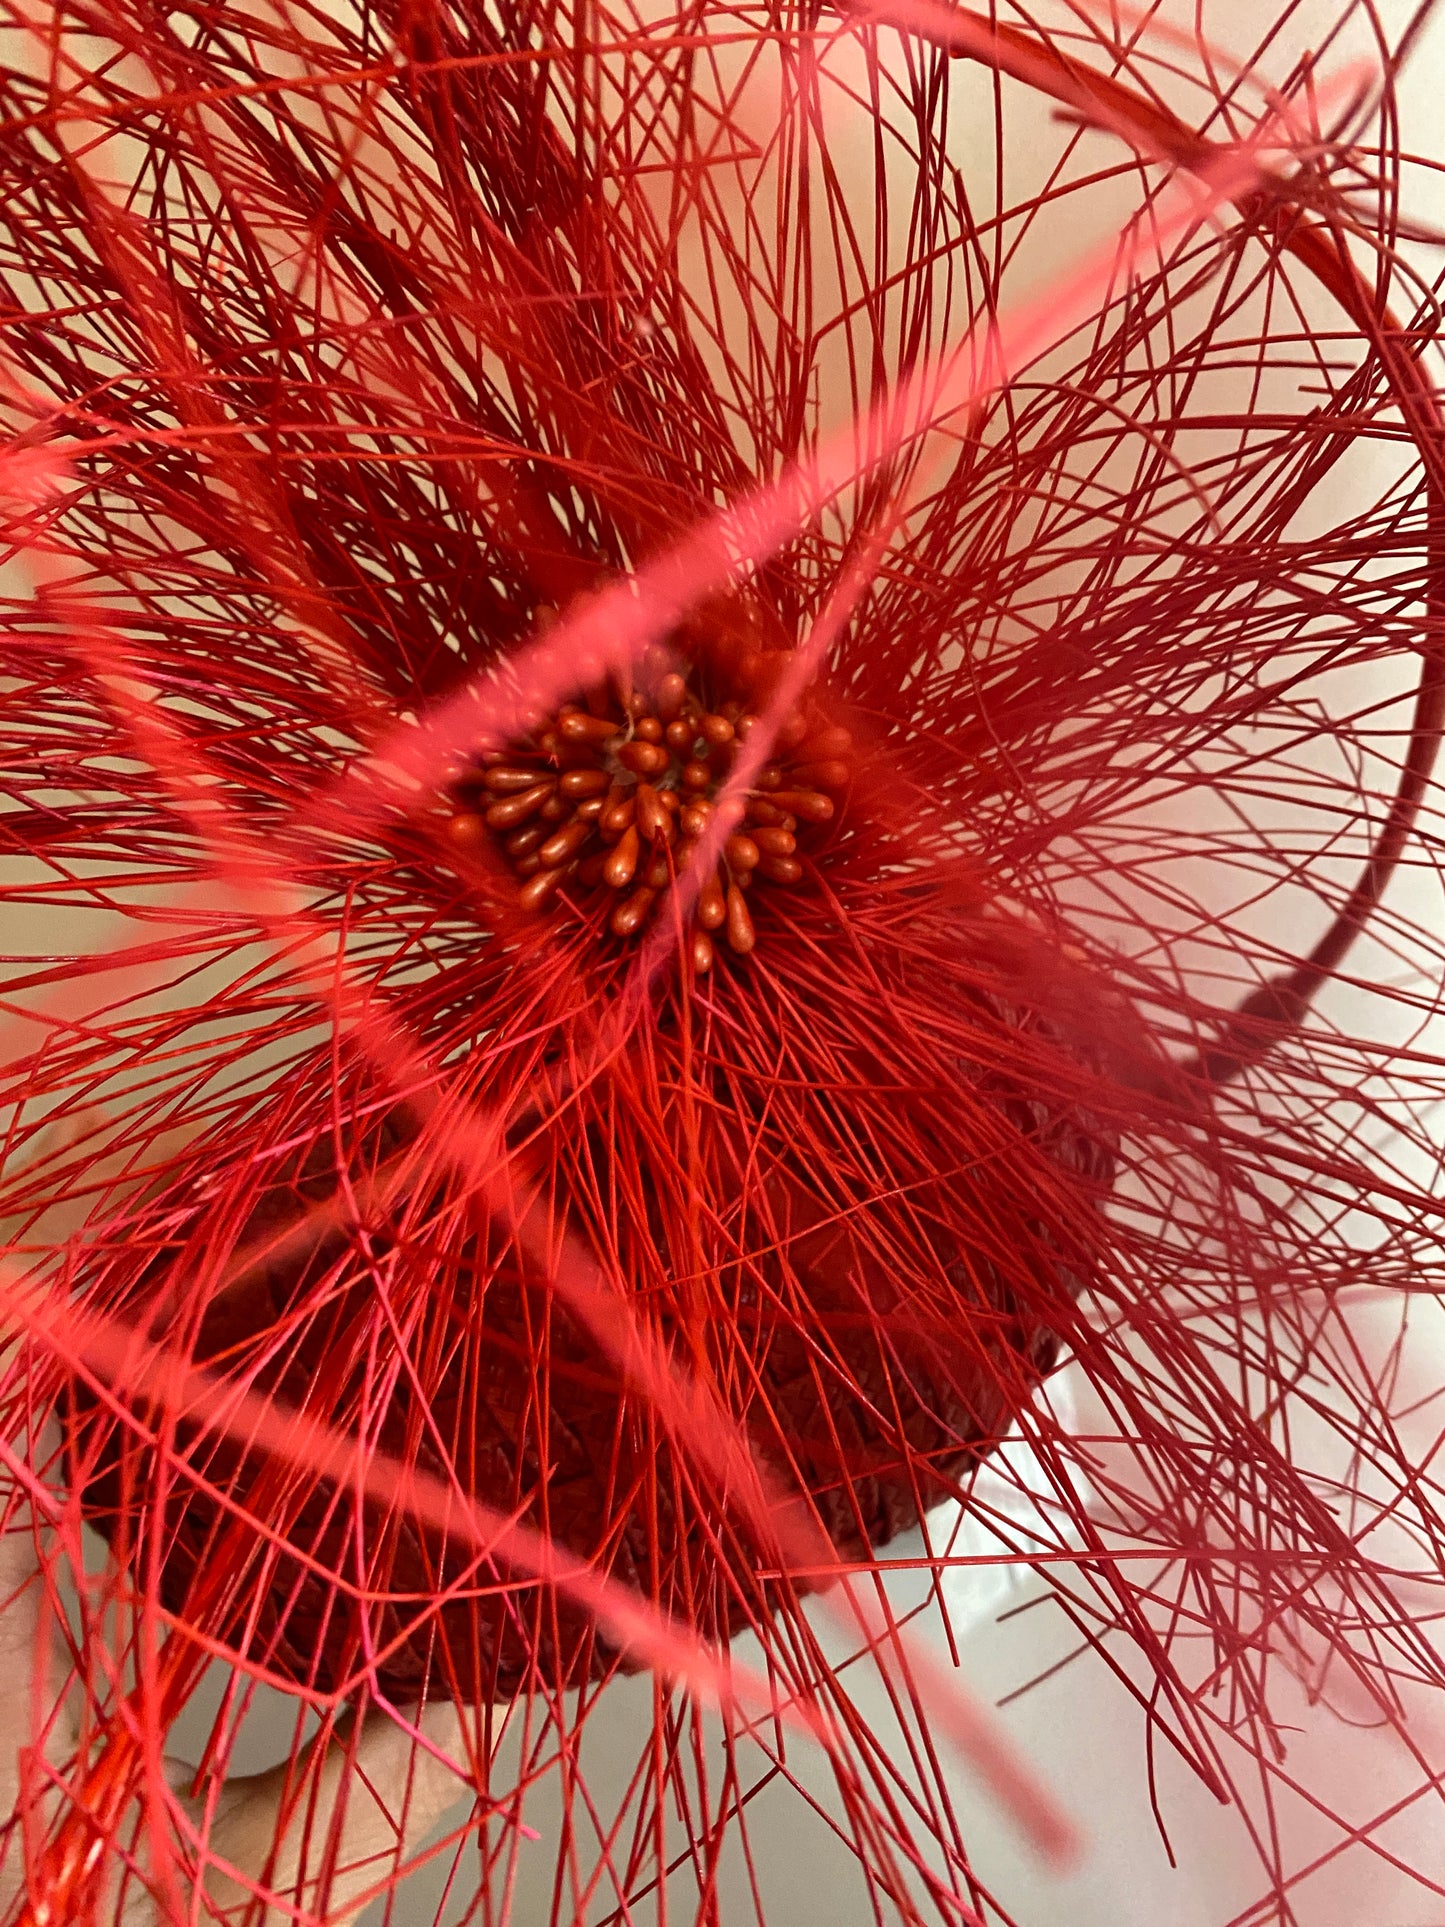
(675, 1085)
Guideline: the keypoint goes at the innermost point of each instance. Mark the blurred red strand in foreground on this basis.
(692, 793)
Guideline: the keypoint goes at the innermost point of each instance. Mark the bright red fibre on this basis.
(457, 1268)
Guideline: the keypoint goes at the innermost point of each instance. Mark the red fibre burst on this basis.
(677, 832)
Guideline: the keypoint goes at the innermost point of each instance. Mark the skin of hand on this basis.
(313, 1836)
(362, 1804)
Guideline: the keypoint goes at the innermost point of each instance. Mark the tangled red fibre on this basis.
(680, 835)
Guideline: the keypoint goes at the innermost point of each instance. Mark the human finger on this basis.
(321, 1834)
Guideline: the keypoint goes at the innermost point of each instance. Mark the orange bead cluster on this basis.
(613, 793)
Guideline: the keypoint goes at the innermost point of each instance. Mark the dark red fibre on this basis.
(870, 1337)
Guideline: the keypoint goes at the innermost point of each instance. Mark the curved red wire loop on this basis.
(1280, 1005)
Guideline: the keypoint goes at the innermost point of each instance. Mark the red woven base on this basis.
(868, 1385)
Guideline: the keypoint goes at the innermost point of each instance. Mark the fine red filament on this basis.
(436, 1079)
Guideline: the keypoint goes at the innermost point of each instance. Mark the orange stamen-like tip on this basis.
(741, 935)
(615, 793)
